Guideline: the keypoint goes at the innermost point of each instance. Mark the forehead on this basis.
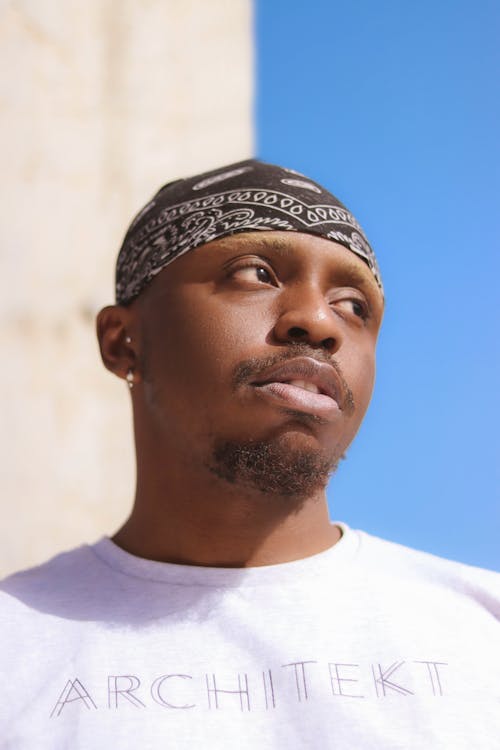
(297, 247)
(290, 251)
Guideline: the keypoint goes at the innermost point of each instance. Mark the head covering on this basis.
(248, 196)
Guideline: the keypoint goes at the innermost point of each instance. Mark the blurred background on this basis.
(392, 105)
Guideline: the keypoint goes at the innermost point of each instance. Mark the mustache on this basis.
(250, 369)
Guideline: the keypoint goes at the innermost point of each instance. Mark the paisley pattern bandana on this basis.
(248, 196)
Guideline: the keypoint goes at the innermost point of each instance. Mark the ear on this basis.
(115, 326)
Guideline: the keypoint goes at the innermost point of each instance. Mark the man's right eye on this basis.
(254, 272)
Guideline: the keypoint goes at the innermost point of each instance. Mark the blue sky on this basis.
(394, 106)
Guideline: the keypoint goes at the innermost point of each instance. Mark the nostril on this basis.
(328, 344)
(297, 333)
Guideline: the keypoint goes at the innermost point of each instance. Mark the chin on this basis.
(291, 466)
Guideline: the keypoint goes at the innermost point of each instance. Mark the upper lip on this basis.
(305, 368)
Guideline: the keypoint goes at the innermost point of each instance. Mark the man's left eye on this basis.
(354, 306)
(358, 309)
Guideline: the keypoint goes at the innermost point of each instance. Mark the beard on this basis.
(274, 469)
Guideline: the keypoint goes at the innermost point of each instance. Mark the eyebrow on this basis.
(280, 245)
(352, 273)
(348, 273)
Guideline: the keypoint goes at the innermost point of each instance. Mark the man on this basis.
(228, 611)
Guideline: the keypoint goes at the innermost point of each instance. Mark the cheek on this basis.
(198, 346)
(366, 381)
(359, 371)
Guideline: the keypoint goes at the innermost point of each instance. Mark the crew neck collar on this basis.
(328, 560)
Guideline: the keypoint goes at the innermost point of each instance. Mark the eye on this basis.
(254, 272)
(263, 274)
(359, 309)
(354, 306)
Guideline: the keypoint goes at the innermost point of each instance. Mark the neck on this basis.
(186, 512)
(206, 521)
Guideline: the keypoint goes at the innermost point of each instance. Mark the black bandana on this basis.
(245, 197)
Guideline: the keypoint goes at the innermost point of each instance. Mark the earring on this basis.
(128, 340)
(130, 379)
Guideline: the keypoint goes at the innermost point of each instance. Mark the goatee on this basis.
(272, 468)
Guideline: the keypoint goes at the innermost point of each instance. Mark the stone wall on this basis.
(101, 102)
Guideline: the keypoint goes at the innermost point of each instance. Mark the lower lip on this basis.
(294, 397)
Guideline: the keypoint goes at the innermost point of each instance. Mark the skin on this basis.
(252, 298)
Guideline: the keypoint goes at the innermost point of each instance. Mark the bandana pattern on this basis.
(257, 197)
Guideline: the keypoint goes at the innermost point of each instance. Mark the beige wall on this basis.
(102, 101)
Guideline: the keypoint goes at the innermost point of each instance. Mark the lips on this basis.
(303, 384)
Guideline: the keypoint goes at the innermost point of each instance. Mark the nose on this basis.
(306, 317)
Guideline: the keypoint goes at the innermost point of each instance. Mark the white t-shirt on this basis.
(367, 645)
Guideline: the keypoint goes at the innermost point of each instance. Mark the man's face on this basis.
(259, 349)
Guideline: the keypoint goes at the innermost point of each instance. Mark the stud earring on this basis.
(128, 340)
(130, 379)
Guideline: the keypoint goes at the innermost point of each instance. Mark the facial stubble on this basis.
(274, 469)
(271, 467)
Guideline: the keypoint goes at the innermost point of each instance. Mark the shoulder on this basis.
(59, 566)
(52, 586)
(399, 562)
